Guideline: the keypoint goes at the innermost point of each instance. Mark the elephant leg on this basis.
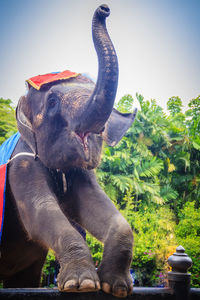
(26, 278)
(45, 222)
(96, 213)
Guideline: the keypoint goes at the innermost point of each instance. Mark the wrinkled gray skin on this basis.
(65, 124)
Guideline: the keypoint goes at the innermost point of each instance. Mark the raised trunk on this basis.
(102, 99)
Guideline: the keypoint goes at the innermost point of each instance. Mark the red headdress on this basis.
(38, 81)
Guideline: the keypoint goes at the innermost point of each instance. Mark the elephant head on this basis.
(65, 122)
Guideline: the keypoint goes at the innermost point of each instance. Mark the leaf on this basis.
(196, 145)
(122, 182)
(125, 104)
(150, 168)
(168, 193)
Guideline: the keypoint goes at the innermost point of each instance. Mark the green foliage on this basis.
(8, 125)
(96, 249)
(174, 105)
(188, 235)
(154, 240)
(48, 269)
(125, 104)
(194, 120)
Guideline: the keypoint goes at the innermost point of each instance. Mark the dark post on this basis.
(179, 279)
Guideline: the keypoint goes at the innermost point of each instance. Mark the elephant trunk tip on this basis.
(103, 10)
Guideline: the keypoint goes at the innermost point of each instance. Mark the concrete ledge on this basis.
(139, 293)
(195, 294)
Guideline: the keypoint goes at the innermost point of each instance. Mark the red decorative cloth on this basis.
(38, 81)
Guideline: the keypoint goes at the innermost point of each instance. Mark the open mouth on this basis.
(83, 138)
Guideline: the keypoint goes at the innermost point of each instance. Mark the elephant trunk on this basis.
(102, 99)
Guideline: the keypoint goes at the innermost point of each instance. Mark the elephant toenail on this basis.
(120, 292)
(87, 284)
(106, 287)
(70, 284)
(98, 286)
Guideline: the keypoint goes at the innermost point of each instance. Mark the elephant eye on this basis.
(52, 101)
(53, 105)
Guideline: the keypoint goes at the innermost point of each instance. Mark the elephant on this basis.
(51, 182)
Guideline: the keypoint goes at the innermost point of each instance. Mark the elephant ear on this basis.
(117, 125)
(24, 124)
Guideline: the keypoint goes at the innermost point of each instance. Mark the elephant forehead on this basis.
(67, 87)
(72, 95)
(88, 85)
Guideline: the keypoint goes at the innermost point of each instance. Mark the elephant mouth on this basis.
(82, 137)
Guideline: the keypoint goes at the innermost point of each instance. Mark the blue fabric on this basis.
(7, 148)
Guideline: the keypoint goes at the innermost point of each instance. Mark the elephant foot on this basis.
(74, 278)
(118, 285)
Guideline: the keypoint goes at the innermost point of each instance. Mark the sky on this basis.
(157, 43)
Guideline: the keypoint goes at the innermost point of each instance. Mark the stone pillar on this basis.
(179, 279)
